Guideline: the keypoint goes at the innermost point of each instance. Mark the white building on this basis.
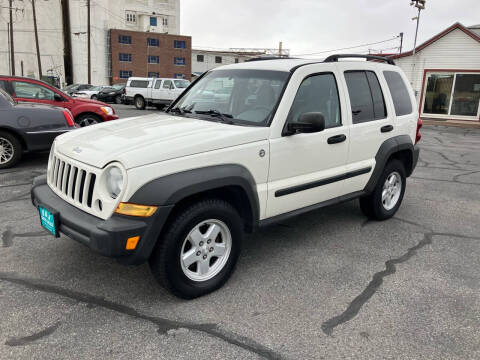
(445, 73)
(160, 16)
(204, 60)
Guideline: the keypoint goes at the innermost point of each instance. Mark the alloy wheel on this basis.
(6, 151)
(392, 189)
(205, 250)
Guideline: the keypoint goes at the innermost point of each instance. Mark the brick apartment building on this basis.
(148, 54)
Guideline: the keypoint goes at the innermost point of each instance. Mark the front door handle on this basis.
(336, 139)
(386, 128)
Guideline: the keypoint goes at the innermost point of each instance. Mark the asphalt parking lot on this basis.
(328, 284)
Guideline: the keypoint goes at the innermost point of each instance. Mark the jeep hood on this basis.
(152, 138)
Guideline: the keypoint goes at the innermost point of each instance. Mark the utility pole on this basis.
(401, 42)
(67, 42)
(420, 5)
(280, 46)
(12, 47)
(88, 41)
(36, 41)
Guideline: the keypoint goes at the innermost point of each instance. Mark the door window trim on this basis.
(284, 129)
(371, 95)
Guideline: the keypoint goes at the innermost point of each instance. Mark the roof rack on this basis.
(334, 58)
(260, 58)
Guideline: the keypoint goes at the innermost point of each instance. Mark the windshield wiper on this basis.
(180, 111)
(225, 118)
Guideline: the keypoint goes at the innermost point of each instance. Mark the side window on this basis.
(28, 90)
(3, 85)
(400, 96)
(167, 84)
(366, 96)
(379, 108)
(157, 84)
(318, 93)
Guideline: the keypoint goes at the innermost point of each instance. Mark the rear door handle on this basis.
(336, 139)
(386, 128)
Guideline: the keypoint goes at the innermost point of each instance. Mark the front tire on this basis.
(88, 119)
(118, 99)
(10, 150)
(140, 103)
(198, 252)
(387, 196)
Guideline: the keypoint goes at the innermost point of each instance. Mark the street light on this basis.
(420, 5)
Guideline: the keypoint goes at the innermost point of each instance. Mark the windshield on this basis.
(95, 88)
(71, 86)
(118, 86)
(242, 96)
(181, 84)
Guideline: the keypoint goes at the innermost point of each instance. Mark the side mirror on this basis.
(310, 122)
(57, 97)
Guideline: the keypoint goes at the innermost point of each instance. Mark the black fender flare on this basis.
(386, 150)
(171, 189)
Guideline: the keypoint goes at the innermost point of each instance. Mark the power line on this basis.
(348, 48)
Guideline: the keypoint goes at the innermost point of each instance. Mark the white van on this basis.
(153, 91)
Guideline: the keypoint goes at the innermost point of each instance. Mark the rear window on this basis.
(399, 91)
(139, 83)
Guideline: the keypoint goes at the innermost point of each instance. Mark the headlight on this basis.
(107, 110)
(114, 181)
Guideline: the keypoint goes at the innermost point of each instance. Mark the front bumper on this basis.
(107, 237)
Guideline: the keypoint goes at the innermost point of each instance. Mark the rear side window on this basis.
(366, 97)
(399, 91)
(139, 83)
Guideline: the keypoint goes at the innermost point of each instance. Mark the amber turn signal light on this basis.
(135, 210)
(132, 243)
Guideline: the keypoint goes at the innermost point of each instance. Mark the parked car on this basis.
(112, 94)
(85, 111)
(153, 91)
(180, 189)
(28, 127)
(91, 93)
(72, 89)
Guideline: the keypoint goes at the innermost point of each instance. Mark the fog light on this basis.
(132, 243)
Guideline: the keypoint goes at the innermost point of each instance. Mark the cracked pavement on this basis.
(328, 284)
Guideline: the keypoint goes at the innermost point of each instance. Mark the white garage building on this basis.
(445, 74)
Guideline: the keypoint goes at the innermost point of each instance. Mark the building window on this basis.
(153, 42)
(236, 60)
(124, 74)
(200, 58)
(153, 59)
(131, 18)
(153, 21)
(165, 21)
(124, 39)
(179, 76)
(153, 75)
(218, 59)
(179, 61)
(179, 44)
(125, 57)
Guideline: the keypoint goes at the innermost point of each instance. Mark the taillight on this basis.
(418, 136)
(68, 117)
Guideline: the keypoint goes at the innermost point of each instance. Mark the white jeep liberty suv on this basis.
(244, 146)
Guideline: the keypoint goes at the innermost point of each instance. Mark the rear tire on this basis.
(187, 259)
(10, 150)
(387, 196)
(139, 103)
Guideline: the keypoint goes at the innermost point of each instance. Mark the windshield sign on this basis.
(235, 96)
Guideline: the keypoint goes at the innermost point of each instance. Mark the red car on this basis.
(85, 111)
